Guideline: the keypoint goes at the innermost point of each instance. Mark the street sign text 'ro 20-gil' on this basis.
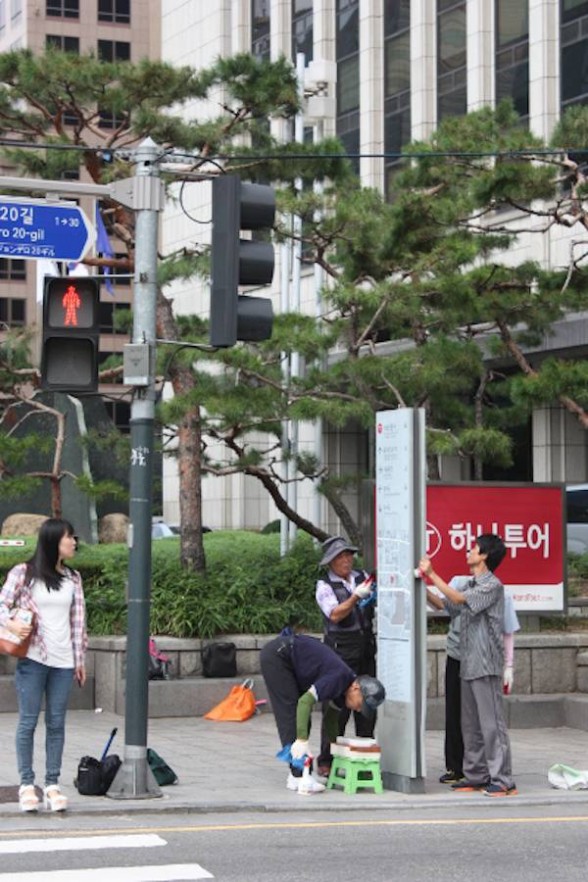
(32, 229)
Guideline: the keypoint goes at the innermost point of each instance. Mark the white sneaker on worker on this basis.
(306, 785)
(309, 786)
(292, 782)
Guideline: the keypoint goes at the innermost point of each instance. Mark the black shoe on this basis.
(451, 778)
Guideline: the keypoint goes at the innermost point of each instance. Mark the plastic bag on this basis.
(566, 778)
(239, 705)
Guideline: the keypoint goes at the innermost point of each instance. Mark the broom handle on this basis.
(108, 743)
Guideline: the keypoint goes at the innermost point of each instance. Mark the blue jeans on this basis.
(33, 681)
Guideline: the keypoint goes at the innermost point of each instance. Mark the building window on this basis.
(12, 269)
(107, 313)
(302, 28)
(347, 23)
(13, 312)
(108, 119)
(397, 122)
(512, 53)
(114, 50)
(117, 11)
(63, 8)
(574, 52)
(120, 414)
(63, 44)
(451, 59)
(260, 29)
(15, 8)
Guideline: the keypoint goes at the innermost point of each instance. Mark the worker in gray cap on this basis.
(343, 595)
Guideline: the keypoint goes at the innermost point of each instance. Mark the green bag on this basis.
(162, 773)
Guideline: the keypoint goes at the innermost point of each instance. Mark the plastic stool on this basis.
(345, 772)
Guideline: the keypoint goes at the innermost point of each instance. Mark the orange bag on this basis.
(239, 705)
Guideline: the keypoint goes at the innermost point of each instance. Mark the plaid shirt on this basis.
(16, 593)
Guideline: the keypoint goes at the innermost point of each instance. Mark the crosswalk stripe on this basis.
(165, 873)
(81, 843)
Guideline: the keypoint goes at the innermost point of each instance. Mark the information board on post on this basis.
(400, 521)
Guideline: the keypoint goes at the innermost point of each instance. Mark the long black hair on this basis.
(43, 563)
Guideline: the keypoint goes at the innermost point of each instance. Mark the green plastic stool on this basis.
(345, 772)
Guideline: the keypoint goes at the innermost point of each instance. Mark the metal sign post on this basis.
(134, 779)
(400, 542)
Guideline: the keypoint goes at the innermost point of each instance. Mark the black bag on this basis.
(95, 776)
(219, 660)
(162, 773)
(158, 669)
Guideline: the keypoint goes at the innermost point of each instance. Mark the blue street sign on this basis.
(32, 229)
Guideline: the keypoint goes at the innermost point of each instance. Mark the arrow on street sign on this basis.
(32, 229)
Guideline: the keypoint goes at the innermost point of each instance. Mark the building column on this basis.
(544, 67)
(281, 29)
(423, 69)
(240, 32)
(480, 42)
(371, 92)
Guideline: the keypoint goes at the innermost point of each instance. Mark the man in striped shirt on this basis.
(487, 756)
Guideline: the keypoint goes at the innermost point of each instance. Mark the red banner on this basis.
(529, 518)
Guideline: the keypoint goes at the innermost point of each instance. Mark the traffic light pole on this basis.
(134, 779)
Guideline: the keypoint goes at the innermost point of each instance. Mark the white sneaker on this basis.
(292, 782)
(308, 786)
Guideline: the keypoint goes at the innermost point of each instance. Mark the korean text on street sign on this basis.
(38, 230)
(530, 519)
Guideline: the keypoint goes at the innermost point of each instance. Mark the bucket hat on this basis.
(334, 546)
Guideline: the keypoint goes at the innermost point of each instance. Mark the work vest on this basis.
(358, 619)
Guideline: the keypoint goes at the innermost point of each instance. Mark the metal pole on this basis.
(134, 779)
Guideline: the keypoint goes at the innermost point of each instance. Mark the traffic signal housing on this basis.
(237, 206)
(71, 332)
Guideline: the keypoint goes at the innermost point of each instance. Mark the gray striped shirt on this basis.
(482, 626)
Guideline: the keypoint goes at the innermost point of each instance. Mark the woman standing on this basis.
(53, 592)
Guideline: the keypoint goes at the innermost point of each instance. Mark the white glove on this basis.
(508, 679)
(364, 589)
(299, 749)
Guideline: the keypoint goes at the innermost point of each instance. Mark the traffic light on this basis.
(71, 330)
(240, 206)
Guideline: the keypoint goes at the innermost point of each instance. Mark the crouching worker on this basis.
(298, 671)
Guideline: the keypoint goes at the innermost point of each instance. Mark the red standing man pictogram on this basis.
(71, 303)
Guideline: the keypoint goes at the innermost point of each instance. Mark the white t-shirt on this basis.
(54, 623)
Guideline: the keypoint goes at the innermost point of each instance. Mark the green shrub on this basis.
(248, 588)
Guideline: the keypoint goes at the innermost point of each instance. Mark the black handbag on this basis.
(219, 660)
(95, 776)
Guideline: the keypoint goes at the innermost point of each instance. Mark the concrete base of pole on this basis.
(134, 779)
(402, 783)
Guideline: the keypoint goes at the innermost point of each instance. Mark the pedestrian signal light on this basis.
(71, 331)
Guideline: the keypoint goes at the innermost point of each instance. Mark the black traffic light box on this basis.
(71, 332)
(240, 206)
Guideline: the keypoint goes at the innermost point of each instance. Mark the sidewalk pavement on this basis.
(228, 767)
